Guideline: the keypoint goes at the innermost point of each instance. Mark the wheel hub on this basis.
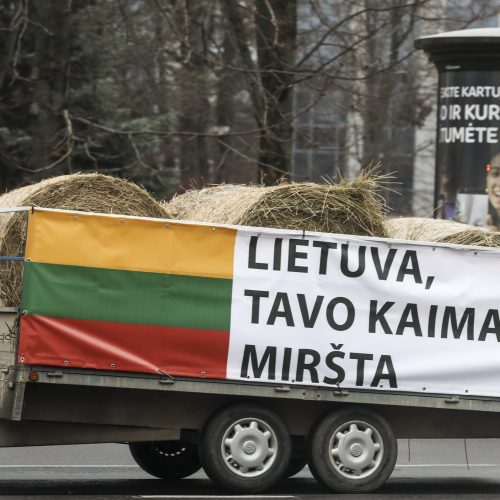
(249, 447)
(356, 450)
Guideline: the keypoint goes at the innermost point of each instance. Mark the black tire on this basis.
(295, 466)
(245, 448)
(166, 459)
(352, 451)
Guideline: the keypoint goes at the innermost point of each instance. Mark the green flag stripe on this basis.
(127, 296)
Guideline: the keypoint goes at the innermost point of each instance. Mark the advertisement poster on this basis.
(468, 157)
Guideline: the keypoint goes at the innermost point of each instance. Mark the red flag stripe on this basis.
(104, 345)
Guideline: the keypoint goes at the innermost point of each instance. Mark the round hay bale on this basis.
(223, 204)
(441, 231)
(85, 192)
(349, 207)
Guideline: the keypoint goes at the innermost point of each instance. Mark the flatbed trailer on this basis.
(247, 430)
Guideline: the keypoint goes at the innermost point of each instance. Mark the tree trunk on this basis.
(194, 113)
(11, 17)
(276, 29)
(166, 160)
(51, 140)
(386, 130)
(228, 85)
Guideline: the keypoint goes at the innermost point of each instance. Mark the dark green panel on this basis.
(127, 296)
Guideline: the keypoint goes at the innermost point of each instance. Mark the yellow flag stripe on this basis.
(148, 245)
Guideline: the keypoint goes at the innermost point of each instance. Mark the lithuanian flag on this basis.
(126, 294)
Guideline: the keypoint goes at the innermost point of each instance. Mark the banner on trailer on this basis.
(260, 305)
(362, 313)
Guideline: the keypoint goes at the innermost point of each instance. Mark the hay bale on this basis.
(349, 207)
(223, 204)
(441, 231)
(86, 192)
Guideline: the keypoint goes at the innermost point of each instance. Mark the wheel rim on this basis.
(249, 447)
(356, 450)
(170, 450)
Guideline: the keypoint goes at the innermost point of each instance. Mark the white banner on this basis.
(355, 312)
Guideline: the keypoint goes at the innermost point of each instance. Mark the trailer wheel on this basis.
(245, 448)
(352, 451)
(166, 459)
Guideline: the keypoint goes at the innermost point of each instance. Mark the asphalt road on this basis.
(426, 469)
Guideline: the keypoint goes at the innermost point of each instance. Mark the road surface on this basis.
(426, 469)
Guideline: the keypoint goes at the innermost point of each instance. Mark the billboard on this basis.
(468, 151)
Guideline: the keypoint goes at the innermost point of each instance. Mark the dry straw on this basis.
(348, 207)
(441, 231)
(85, 192)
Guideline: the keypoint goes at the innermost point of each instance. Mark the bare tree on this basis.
(270, 77)
(50, 131)
(176, 93)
